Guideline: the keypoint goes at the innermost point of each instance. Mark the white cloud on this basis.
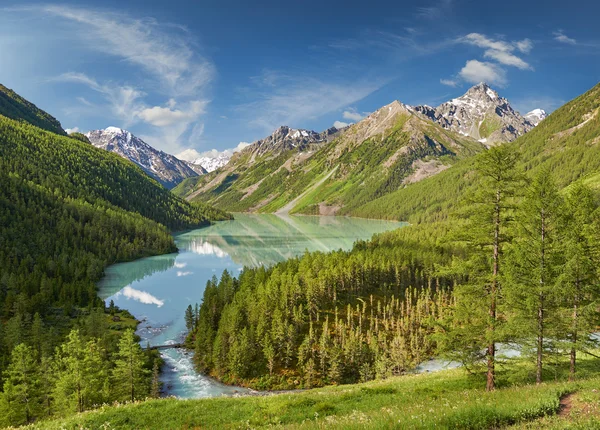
(288, 100)
(499, 50)
(167, 116)
(477, 71)
(180, 265)
(353, 115)
(340, 124)
(563, 38)
(72, 130)
(192, 154)
(525, 46)
(180, 273)
(449, 82)
(506, 58)
(140, 296)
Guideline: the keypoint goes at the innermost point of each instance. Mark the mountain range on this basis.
(337, 171)
(165, 168)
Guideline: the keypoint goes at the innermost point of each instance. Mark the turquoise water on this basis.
(158, 289)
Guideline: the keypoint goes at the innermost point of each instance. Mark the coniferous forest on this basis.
(67, 210)
(501, 256)
(517, 265)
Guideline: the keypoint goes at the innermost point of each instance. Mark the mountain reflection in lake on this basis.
(158, 289)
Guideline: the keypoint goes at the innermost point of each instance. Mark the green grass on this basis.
(447, 399)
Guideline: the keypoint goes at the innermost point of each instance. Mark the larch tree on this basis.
(578, 282)
(532, 267)
(474, 324)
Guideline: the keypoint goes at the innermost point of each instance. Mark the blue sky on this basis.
(197, 75)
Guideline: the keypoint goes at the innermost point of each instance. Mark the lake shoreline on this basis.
(157, 289)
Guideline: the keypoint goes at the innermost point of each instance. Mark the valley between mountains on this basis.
(338, 172)
(478, 182)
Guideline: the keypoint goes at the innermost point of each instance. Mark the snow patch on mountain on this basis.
(481, 114)
(165, 168)
(536, 116)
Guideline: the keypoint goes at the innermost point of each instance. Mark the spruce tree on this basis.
(129, 375)
(156, 384)
(189, 318)
(22, 391)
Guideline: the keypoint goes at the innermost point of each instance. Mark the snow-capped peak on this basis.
(114, 130)
(536, 116)
(481, 114)
(166, 168)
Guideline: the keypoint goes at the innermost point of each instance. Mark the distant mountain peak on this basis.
(165, 168)
(536, 116)
(286, 138)
(480, 113)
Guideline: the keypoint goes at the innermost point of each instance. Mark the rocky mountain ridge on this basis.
(483, 115)
(165, 168)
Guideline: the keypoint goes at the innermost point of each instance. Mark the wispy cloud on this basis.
(164, 58)
(499, 50)
(143, 42)
(435, 11)
(123, 101)
(281, 99)
(449, 82)
(561, 37)
(499, 53)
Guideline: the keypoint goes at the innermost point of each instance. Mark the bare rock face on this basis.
(481, 114)
(165, 168)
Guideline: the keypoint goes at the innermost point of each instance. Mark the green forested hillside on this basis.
(67, 210)
(16, 107)
(331, 318)
(567, 143)
(390, 148)
(518, 263)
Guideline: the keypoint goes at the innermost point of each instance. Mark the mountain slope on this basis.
(165, 168)
(16, 107)
(567, 141)
(481, 114)
(391, 148)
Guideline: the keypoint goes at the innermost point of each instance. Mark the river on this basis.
(157, 290)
